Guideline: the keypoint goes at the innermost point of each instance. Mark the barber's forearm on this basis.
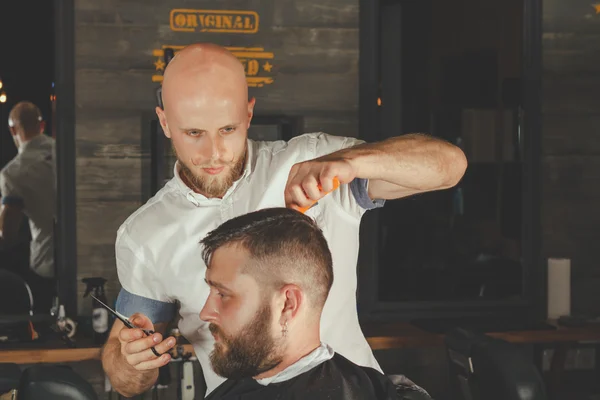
(125, 379)
(407, 164)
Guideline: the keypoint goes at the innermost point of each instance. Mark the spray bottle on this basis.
(100, 322)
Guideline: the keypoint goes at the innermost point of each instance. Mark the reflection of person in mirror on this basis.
(220, 173)
(28, 190)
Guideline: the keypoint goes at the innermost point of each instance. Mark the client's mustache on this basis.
(215, 330)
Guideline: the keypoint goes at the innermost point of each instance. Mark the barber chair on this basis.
(407, 389)
(485, 368)
(15, 295)
(16, 307)
(53, 382)
(9, 377)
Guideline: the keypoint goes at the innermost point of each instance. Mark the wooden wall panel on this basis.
(315, 70)
(568, 177)
(108, 126)
(328, 13)
(571, 93)
(297, 49)
(571, 148)
(343, 124)
(97, 222)
(109, 178)
(570, 52)
(571, 134)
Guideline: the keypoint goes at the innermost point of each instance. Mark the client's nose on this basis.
(209, 312)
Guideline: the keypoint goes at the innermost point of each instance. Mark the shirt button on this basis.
(191, 198)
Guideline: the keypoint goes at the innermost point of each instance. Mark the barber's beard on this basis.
(217, 185)
(250, 353)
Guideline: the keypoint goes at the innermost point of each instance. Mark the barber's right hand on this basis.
(136, 347)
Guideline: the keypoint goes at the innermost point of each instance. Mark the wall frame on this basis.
(66, 229)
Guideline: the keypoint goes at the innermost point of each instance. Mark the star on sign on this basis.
(267, 67)
(159, 64)
(597, 7)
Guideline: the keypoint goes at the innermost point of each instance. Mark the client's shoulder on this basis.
(351, 370)
(347, 380)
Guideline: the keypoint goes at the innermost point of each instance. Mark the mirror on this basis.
(37, 161)
(465, 243)
(27, 159)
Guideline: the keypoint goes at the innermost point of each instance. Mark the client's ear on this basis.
(293, 298)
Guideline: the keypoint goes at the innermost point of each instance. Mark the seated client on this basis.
(270, 272)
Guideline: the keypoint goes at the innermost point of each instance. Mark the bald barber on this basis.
(28, 188)
(221, 174)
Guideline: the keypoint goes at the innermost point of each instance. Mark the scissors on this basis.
(123, 318)
(336, 184)
(126, 321)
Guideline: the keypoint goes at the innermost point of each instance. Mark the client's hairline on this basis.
(255, 272)
(293, 255)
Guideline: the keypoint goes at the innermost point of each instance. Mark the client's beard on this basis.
(250, 353)
(213, 186)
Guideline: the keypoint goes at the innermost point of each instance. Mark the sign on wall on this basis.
(218, 21)
(258, 63)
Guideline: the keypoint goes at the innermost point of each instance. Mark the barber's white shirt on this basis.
(29, 181)
(159, 258)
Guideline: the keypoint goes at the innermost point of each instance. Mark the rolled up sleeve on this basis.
(9, 193)
(353, 197)
(142, 291)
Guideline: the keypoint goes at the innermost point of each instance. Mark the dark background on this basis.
(26, 61)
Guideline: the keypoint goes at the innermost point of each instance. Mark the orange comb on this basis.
(336, 184)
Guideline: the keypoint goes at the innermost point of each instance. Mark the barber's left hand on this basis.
(302, 186)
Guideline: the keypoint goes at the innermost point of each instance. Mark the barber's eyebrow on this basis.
(233, 124)
(217, 285)
(230, 125)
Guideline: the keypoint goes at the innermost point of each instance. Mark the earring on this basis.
(284, 329)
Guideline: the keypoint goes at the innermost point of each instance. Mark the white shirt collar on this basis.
(200, 200)
(319, 355)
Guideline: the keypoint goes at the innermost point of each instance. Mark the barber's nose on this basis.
(216, 147)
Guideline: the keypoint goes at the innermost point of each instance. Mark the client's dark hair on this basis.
(286, 247)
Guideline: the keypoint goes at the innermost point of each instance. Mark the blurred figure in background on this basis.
(28, 189)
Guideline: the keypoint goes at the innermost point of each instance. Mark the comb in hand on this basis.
(336, 184)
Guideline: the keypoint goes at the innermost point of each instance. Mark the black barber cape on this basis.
(334, 379)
